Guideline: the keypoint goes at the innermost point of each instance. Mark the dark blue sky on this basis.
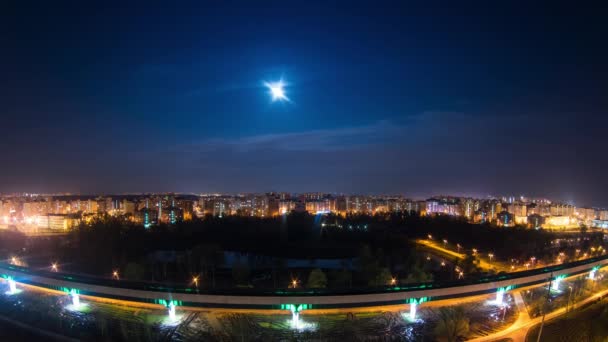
(386, 97)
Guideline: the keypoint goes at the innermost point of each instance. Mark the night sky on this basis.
(384, 98)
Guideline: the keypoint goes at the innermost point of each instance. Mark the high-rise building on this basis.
(128, 207)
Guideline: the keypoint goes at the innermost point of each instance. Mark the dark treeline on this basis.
(374, 249)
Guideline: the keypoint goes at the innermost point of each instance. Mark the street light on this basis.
(458, 246)
(115, 275)
(294, 283)
(195, 281)
(54, 267)
(430, 237)
(568, 304)
(491, 255)
(393, 281)
(474, 251)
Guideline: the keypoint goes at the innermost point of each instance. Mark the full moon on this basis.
(277, 90)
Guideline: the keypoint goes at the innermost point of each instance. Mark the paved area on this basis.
(519, 329)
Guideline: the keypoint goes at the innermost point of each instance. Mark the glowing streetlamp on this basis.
(12, 286)
(445, 242)
(195, 281)
(499, 296)
(430, 237)
(474, 251)
(171, 311)
(413, 305)
(460, 275)
(54, 267)
(75, 298)
(115, 275)
(294, 283)
(393, 281)
(592, 274)
(491, 255)
(458, 246)
(555, 285)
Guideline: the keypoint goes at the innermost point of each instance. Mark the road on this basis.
(518, 331)
(495, 266)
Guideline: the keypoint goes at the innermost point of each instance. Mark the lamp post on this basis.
(568, 304)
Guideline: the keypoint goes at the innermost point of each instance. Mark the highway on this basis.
(152, 293)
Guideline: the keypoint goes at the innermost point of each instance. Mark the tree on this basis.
(240, 272)
(418, 275)
(278, 264)
(211, 256)
(382, 277)
(317, 279)
(452, 323)
(341, 278)
(470, 264)
(134, 271)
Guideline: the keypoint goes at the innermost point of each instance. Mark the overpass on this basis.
(159, 293)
